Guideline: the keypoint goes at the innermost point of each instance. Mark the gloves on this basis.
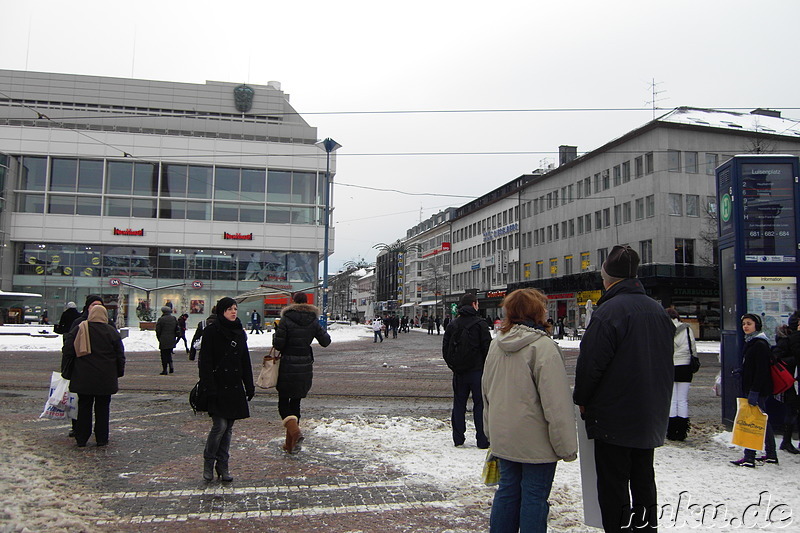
(752, 397)
(250, 395)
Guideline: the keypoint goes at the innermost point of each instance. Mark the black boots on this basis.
(164, 371)
(678, 428)
(223, 474)
(786, 443)
(208, 470)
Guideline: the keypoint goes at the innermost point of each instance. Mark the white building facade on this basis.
(118, 187)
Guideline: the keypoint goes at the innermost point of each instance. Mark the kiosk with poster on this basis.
(758, 253)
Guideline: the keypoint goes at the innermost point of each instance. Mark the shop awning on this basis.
(409, 304)
(18, 295)
(430, 302)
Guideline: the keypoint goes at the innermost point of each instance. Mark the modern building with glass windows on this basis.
(183, 192)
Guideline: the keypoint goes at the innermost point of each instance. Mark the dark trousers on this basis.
(101, 404)
(624, 476)
(288, 406)
(166, 359)
(256, 329)
(185, 342)
(463, 386)
(218, 442)
(769, 437)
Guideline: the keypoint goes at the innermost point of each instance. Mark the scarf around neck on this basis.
(83, 344)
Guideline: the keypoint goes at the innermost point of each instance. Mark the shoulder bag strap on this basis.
(689, 340)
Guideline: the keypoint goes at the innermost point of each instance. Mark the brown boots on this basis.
(293, 434)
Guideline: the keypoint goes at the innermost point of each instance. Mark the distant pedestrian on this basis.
(227, 374)
(45, 318)
(182, 330)
(528, 415)
(623, 385)
(376, 329)
(167, 335)
(298, 328)
(198, 334)
(787, 349)
(438, 322)
(395, 321)
(255, 322)
(431, 324)
(67, 318)
(467, 365)
(684, 347)
(95, 363)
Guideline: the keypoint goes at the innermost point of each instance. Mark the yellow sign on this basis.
(31, 260)
(68, 271)
(583, 296)
(95, 261)
(39, 269)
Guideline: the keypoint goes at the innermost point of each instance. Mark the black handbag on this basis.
(198, 397)
(694, 365)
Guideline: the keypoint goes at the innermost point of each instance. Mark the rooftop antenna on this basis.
(133, 54)
(28, 47)
(654, 95)
(420, 213)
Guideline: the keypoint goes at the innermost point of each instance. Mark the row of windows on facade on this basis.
(499, 220)
(684, 251)
(176, 191)
(483, 278)
(169, 263)
(616, 176)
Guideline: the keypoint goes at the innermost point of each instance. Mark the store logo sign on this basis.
(237, 236)
(129, 232)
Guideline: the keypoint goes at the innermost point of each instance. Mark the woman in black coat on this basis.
(298, 328)
(94, 366)
(227, 375)
(67, 318)
(757, 384)
(787, 349)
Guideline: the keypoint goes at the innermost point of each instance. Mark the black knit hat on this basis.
(224, 304)
(755, 318)
(91, 298)
(622, 262)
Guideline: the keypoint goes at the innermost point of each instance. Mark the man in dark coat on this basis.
(623, 385)
(167, 334)
(226, 373)
(298, 328)
(468, 381)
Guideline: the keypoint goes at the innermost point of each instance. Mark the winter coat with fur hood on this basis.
(298, 328)
(528, 416)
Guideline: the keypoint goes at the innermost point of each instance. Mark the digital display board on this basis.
(768, 218)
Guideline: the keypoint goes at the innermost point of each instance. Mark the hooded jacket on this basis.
(625, 371)
(298, 328)
(528, 416)
(682, 350)
(167, 330)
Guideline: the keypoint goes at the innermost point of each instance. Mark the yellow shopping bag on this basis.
(491, 470)
(750, 426)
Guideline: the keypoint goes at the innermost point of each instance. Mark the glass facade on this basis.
(70, 186)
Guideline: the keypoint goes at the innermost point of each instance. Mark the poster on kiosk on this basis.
(759, 254)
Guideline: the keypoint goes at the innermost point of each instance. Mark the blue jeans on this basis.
(378, 335)
(520, 503)
(463, 385)
(769, 438)
(218, 442)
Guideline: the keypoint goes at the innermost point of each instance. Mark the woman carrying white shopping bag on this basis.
(95, 362)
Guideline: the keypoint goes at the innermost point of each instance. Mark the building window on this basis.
(549, 233)
(598, 219)
(585, 261)
(684, 251)
(606, 217)
(564, 232)
(602, 253)
(639, 208)
(579, 188)
(553, 267)
(606, 180)
(712, 162)
(580, 225)
(539, 269)
(587, 187)
(617, 176)
(650, 206)
(598, 184)
(555, 232)
(626, 212)
(571, 192)
(617, 215)
(676, 204)
(692, 205)
(638, 165)
(588, 223)
(567, 265)
(626, 172)
(646, 251)
(571, 225)
(691, 162)
(711, 206)
(673, 160)
(649, 167)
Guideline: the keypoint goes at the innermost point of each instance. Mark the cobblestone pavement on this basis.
(149, 477)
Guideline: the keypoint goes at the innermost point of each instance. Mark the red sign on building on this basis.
(129, 232)
(237, 236)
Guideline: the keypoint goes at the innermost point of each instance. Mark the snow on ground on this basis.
(694, 478)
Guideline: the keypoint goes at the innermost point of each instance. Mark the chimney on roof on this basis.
(766, 112)
(567, 154)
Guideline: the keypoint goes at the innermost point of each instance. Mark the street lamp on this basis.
(329, 145)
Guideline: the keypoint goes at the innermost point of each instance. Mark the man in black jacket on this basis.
(623, 385)
(467, 378)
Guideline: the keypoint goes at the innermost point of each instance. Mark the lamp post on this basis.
(329, 145)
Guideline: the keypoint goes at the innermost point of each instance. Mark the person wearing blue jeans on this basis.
(520, 503)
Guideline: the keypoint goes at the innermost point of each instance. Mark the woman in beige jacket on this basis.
(528, 413)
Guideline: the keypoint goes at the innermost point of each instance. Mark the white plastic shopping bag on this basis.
(57, 402)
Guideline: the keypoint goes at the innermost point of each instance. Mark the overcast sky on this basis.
(434, 55)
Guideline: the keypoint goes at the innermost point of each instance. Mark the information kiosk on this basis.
(758, 221)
